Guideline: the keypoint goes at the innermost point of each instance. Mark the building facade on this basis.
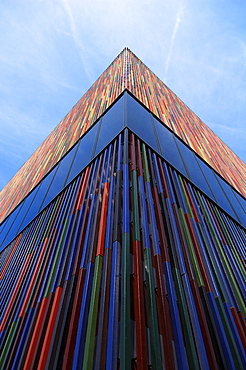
(123, 237)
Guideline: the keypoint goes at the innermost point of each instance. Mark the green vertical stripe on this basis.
(191, 249)
(8, 344)
(145, 163)
(187, 202)
(93, 312)
(155, 348)
(231, 243)
(55, 261)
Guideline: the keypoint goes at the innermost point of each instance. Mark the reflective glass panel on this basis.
(111, 125)
(194, 171)
(139, 121)
(84, 153)
(59, 179)
(3, 224)
(168, 147)
(241, 211)
(24, 209)
(230, 195)
(219, 195)
(38, 200)
(8, 230)
(241, 200)
(1, 233)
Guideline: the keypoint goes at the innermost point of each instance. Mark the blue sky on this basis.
(52, 51)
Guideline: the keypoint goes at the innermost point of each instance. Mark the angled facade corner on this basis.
(123, 247)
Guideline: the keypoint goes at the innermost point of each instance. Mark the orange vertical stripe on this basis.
(36, 331)
(23, 308)
(102, 225)
(50, 329)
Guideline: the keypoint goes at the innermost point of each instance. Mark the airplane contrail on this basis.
(78, 42)
(175, 30)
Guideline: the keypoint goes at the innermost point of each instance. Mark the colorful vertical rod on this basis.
(129, 267)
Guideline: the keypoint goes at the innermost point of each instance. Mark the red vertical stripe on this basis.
(103, 218)
(81, 196)
(139, 308)
(35, 335)
(33, 279)
(198, 254)
(50, 328)
(204, 326)
(71, 338)
(240, 328)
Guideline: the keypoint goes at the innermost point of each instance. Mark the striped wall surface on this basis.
(130, 266)
(124, 112)
(125, 72)
(149, 89)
